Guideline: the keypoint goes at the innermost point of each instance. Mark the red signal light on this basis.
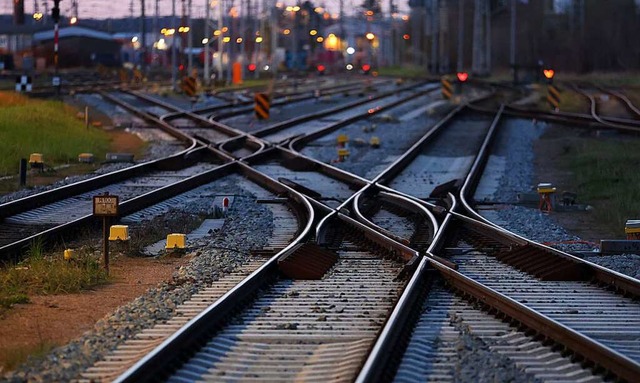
(252, 67)
(548, 73)
(181, 67)
(366, 68)
(321, 68)
(406, 36)
(463, 76)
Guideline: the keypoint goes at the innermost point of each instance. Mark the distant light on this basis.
(370, 36)
(134, 39)
(74, 20)
(239, 40)
(38, 16)
(369, 13)
(225, 29)
(405, 18)
(162, 45)
(226, 39)
(462, 76)
(205, 41)
(259, 39)
(279, 5)
(266, 67)
(349, 67)
(320, 39)
(286, 31)
(296, 8)
(406, 36)
(321, 68)
(318, 10)
(313, 32)
(351, 50)
(366, 68)
(252, 67)
(217, 32)
(289, 8)
(548, 73)
(183, 29)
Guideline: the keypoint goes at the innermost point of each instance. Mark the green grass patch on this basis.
(607, 177)
(39, 274)
(48, 127)
(404, 72)
(12, 358)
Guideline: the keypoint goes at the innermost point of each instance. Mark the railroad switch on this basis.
(176, 241)
(546, 191)
(632, 229)
(36, 161)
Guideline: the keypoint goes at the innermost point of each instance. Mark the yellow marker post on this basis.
(342, 140)
(546, 191)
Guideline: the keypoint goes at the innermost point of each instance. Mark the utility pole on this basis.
(513, 42)
(189, 40)
(55, 15)
(206, 76)
(274, 40)
(143, 39)
(220, 37)
(243, 26)
(460, 66)
(154, 27)
(174, 50)
(443, 18)
(487, 44)
(435, 27)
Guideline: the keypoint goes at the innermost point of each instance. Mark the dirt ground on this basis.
(550, 151)
(57, 319)
(52, 320)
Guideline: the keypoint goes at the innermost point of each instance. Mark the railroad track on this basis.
(543, 293)
(290, 321)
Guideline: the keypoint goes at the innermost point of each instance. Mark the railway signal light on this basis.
(462, 76)
(252, 67)
(366, 68)
(321, 68)
(548, 74)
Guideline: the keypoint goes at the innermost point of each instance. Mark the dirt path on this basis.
(54, 320)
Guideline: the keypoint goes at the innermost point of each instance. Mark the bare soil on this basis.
(55, 320)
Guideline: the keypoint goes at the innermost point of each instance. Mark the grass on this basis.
(11, 359)
(47, 127)
(38, 274)
(607, 177)
(404, 72)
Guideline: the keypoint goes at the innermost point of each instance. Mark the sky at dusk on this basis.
(103, 9)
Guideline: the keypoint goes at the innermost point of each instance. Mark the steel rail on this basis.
(207, 110)
(282, 100)
(301, 141)
(294, 121)
(126, 207)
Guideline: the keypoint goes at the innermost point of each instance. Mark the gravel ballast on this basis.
(247, 225)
